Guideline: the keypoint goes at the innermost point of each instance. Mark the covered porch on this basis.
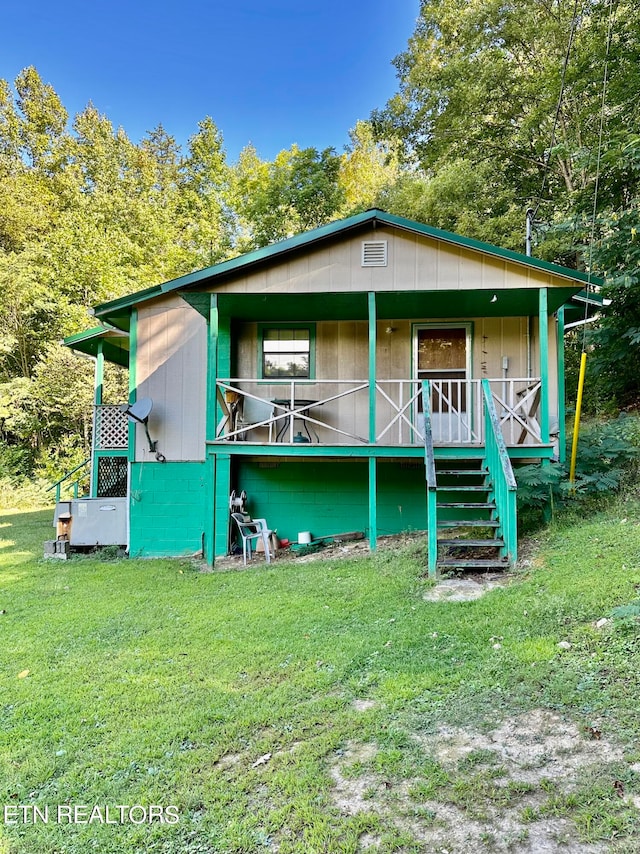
(511, 336)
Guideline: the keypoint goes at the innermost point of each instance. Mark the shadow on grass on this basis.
(22, 535)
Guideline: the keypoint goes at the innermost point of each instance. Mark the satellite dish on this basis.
(140, 410)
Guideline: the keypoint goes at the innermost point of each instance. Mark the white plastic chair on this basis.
(253, 529)
(251, 412)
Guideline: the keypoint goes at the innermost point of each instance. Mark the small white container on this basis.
(304, 538)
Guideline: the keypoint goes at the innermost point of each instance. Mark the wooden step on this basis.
(451, 487)
(468, 523)
(476, 505)
(473, 564)
(469, 543)
(463, 472)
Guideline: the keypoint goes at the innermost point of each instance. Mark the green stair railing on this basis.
(501, 474)
(430, 464)
(76, 483)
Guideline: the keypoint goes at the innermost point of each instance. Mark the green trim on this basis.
(246, 449)
(98, 385)
(373, 504)
(133, 380)
(373, 332)
(504, 483)
(208, 522)
(113, 343)
(262, 327)
(117, 310)
(543, 334)
(432, 487)
(222, 490)
(212, 367)
(562, 427)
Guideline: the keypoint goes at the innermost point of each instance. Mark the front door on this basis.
(442, 355)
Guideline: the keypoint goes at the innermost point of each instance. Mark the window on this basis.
(286, 351)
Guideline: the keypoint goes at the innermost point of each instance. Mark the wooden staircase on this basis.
(471, 498)
(469, 529)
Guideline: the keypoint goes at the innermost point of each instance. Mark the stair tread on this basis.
(464, 472)
(481, 505)
(469, 523)
(484, 564)
(462, 541)
(450, 487)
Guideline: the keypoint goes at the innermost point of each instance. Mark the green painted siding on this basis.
(167, 508)
(329, 496)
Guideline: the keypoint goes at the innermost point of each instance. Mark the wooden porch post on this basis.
(97, 401)
(543, 332)
(373, 472)
(212, 523)
(562, 433)
(133, 380)
(212, 366)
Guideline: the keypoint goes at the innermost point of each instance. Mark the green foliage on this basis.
(607, 461)
(20, 493)
(298, 191)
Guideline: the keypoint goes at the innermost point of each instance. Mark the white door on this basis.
(442, 355)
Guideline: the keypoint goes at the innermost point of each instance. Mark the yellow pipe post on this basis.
(576, 423)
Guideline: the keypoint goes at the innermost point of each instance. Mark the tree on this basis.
(299, 190)
(481, 83)
(369, 168)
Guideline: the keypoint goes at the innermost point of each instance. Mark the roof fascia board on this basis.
(489, 249)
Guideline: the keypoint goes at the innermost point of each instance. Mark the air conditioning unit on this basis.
(95, 521)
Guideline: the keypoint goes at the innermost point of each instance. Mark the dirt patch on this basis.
(539, 745)
(465, 589)
(352, 794)
(364, 705)
(496, 783)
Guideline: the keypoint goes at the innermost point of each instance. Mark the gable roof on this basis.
(117, 311)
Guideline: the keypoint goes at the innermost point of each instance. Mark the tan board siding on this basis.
(171, 368)
(414, 262)
(342, 353)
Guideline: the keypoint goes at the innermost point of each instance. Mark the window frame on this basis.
(267, 327)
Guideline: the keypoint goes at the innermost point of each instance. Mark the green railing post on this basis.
(502, 477)
(430, 464)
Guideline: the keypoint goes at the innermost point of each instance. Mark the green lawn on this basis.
(303, 707)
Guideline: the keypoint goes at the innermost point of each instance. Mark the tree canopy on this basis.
(498, 110)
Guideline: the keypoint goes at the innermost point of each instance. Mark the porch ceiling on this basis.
(389, 305)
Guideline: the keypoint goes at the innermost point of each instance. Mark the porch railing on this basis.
(502, 477)
(337, 411)
(432, 487)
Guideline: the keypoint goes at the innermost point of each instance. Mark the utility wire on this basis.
(605, 80)
(556, 118)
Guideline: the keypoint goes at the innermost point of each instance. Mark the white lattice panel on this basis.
(111, 428)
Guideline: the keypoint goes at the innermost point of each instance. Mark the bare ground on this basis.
(521, 761)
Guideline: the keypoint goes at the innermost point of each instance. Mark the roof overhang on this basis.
(113, 343)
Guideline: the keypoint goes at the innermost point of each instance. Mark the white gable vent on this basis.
(374, 253)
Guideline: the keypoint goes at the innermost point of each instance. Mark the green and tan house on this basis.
(374, 374)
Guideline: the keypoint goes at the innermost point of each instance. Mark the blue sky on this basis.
(269, 72)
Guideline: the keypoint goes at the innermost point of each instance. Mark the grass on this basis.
(230, 695)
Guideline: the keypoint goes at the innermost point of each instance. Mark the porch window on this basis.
(286, 351)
